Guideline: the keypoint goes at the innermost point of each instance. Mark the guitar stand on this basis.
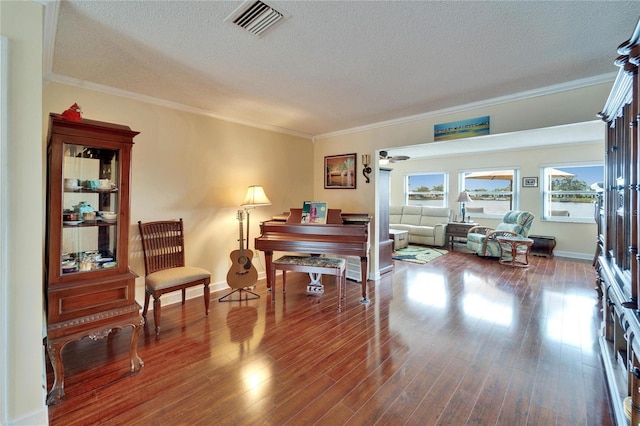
(240, 290)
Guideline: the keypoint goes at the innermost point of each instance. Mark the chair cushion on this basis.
(323, 262)
(511, 227)
(175, 276)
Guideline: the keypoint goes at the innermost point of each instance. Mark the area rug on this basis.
(418, 254)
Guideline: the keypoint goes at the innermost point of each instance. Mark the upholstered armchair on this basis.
(482, 240)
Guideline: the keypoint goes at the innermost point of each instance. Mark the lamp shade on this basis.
(256, 197)
(464, 198)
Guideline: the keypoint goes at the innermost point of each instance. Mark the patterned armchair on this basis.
(482, 240)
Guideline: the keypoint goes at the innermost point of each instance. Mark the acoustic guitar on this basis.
(242, 272)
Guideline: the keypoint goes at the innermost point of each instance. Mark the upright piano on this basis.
(343, 234)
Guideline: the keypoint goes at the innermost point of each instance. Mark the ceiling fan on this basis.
(386, 158)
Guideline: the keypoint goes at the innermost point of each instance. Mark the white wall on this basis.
(23, 391)
(524, 113)
(573, 239)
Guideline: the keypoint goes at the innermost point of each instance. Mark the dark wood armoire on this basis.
(617, 259)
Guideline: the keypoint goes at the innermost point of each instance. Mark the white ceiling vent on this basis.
(256, 17)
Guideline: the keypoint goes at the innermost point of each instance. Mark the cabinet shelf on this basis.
(91, 191)
(87, 224)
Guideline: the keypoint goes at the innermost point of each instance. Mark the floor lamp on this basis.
(255, 197)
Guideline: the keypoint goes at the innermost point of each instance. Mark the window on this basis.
(429, 189)
(492, 192)
(570, 192)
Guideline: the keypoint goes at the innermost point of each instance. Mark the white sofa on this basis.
(426, 225)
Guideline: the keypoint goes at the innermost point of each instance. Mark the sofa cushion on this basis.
(432, 216)
(424, 231)
(401, 227)
(395, 214)
(411, 215)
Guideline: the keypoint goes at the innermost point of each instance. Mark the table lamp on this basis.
(463, 198)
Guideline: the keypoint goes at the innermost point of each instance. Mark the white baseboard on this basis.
(573, 255)
(35, 418)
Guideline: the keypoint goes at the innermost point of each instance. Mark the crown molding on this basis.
(542, 91)
(55, 78)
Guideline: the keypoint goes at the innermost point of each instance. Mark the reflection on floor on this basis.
(460, 340)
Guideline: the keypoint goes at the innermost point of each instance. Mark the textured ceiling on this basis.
(333, 66)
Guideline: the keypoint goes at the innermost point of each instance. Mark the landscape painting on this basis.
(340, 171)
(461, 129)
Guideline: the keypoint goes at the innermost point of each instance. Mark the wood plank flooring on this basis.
(461, 340)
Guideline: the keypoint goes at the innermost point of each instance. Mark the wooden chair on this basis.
(164, 266)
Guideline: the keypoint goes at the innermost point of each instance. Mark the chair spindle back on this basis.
(162, 245)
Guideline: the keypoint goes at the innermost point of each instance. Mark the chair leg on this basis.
(156, 313)
(184, 295)
(147, 296)
(207, 296)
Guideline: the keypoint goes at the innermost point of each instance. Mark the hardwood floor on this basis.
(461, 340)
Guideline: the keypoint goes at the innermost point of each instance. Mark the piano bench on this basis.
(312, 265)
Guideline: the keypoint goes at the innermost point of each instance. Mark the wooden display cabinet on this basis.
(89, 288)
(617, 262)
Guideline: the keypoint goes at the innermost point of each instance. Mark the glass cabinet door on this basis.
(90, 202)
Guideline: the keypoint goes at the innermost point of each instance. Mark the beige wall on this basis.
(21, 378)
(573, 239)
(197, 168)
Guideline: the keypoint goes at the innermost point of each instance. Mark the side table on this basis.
(543, 245)
(458, 230)
(514, 251)
(400, 238)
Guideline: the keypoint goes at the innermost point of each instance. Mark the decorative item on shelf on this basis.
(463, 198)
(108, 216)
(91, 184)
(366, 171)
(71, 184)
(82, 207)
(74, 113)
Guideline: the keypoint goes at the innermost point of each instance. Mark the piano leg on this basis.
(268, 257)
(364, 270)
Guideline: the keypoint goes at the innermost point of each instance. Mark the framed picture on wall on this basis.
(340, 171)
(529, 182)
